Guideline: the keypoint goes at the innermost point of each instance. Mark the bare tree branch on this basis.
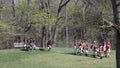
(61, 6)
(111, 24)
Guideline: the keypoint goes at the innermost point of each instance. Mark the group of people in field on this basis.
(30, 44)
(82, 48)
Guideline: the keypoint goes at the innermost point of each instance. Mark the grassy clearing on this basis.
(57, 58)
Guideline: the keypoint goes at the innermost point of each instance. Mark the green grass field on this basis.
(57, 58)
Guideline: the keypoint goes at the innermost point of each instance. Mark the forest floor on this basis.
(56, 58)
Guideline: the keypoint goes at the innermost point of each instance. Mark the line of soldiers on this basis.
(81, 48)
(101, 50)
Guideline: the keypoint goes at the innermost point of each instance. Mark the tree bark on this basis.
(84, 19)
(116, 12)
(85, 6)
(13, 8)
(49, 17)
(1, 6)
(66, 16)
(29, 24)
(61, 5)
(43, 39)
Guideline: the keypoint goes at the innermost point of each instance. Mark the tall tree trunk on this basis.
(13, 8)
(61, 5)
(28, 13)
(116, 11)
(55, 33)
(49, 17)
(1, 6)
(43, 39)
(28, 26)
(66, 25)
(84, 8)
(85, 5)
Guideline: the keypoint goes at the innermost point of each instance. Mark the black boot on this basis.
(94, 56)
(101, 57)
(86, 54)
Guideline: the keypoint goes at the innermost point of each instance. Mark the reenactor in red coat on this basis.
(95, 48)
(25, 41)
(102, 49)
(85, 48)
(81, 47)
(49, 44)
(76, 47)
(108, 49)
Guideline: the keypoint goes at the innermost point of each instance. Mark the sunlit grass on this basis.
(57, 58)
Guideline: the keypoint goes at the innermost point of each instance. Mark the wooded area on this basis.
(65, 21)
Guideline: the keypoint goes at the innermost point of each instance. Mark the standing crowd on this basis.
(103, 50)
